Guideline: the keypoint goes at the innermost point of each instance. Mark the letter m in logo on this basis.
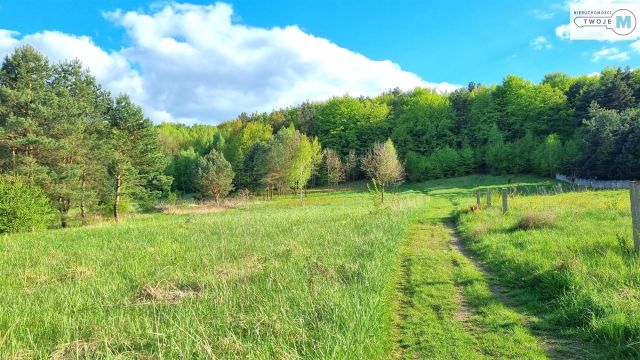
(623, 21)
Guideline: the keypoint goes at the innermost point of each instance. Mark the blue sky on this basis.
(432, 42)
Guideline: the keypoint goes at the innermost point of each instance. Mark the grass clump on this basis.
(536, 220)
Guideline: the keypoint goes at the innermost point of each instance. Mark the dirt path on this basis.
(449, 308)
(556, 347)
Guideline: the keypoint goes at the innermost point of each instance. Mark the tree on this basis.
(316, 159)
(351, 165)
(302, 162)
(381, 164)
(215, 175)
(25, 99)
(183, 170)
(135, 161)
(335, 170)
(345, 123)
(425, 122)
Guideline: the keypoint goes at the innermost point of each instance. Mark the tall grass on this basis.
(272, 280)
(571, 255)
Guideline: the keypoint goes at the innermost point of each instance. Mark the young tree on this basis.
(335, 170)
(302, 162)
(215, 175)
(316, 159)
(381, 164)
(351, 165)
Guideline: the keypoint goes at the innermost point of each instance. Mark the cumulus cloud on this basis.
(192, 63)
(635, 46)
(562, 31)
(540, 43)
(611, 54)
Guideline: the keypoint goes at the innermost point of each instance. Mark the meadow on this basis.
(282, 279)
(334, 276)
(570, 259)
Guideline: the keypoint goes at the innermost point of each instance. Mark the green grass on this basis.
(332, 277)
(272, 280)
(576, 270)
(446, 308)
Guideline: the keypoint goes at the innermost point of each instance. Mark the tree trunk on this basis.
(63, 207)
(83, 213)
(116, 201)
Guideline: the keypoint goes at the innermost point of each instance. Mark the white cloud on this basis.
(543, 15)
(635, 46)
(540, 43)
(194, 64)
(562, 31)
(610, 54)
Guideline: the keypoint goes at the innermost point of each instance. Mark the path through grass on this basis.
(446, 307)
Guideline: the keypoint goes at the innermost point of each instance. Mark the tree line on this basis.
(65, 139)
(69, 141)
(582, 126)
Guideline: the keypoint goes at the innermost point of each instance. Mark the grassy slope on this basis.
(577, 273)
(268, 280)
(281, 280)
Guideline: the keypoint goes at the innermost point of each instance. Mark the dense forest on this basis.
(587, 126)
(68, 144)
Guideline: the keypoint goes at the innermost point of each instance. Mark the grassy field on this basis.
(332, 277)
(276, 280)
(570, 257)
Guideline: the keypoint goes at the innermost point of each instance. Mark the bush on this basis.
(23, 207)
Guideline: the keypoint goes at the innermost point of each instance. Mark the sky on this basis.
(206, 61)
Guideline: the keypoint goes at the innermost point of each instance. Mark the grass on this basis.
(270, 280)
(446, 308)
(332, 277)
(570, 256)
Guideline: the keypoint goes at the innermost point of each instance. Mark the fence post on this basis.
(634, 193)
(478, 199)
(488, 197)
(505, 196)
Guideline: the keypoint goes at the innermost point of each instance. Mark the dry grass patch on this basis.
(536, 220)
(480, 230)
(78, 349)
(194, 209)
(167, 293)
(242, 271)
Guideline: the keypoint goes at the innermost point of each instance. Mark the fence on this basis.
(595, 184)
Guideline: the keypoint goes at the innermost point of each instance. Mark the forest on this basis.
(584, 126)
(69, 146)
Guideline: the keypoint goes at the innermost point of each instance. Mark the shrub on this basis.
(530, 221)
(23, 207)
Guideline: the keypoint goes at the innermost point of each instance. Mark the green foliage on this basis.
(425, 122)
(23, 207)
(215, 175)
(345, 123)
(381, 164)
(183, 170)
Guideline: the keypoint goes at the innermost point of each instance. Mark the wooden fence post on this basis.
(634, 193)
(488, 197)
(505, 196)
(478, 199)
